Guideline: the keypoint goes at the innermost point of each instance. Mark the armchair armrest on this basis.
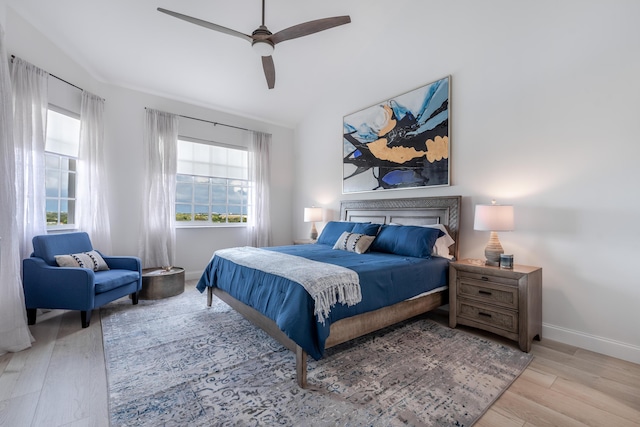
(123, 262)
(57, 287)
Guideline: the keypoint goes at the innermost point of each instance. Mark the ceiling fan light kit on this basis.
(263, 41)
(263, 47)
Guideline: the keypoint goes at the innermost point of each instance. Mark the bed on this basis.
(272, 300)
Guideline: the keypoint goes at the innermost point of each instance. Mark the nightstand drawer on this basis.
(501, 319)
(487, 278)
(494, 293)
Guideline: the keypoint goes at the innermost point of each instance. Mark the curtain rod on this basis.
(212, 122)
(53, 75)
(216, 123)
(62, 80)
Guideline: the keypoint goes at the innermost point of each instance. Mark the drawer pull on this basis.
(485, 278)
(481, 292)
(483, 314)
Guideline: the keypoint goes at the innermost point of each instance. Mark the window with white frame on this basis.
(212, 183)
(61, 159)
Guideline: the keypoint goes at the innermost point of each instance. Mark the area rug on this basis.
(177, 362)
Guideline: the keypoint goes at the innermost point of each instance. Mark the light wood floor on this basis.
(61, 381)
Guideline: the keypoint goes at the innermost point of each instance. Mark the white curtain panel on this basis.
(158, 236)
(259, 170)
(14, 332)
(29, 126)
(91, 205)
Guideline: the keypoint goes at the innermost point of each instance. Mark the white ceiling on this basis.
(388, 48)
(130, 44)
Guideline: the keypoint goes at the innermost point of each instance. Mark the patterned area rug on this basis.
(178, 362)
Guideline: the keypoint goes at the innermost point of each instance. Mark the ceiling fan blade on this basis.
(310, 27)
(269, 71)
(207, 24)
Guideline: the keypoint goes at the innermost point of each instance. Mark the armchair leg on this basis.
(85, 318)
(134, 298)
(31, 316)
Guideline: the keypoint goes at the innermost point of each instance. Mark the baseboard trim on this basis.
(192, 275)
(609, 347)
(606, 346)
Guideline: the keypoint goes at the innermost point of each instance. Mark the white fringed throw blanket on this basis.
(326, 283)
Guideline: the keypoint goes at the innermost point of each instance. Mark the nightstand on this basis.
(505, 302)
(303, 241)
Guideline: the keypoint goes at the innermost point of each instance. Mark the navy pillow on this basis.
(407, 240)
(366, 228)
(333, 230)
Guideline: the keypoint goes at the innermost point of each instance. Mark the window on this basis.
(212, 185)
(61, 158)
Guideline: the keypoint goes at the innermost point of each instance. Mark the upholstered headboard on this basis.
(415, 211)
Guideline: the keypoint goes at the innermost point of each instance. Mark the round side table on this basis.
(158, 283)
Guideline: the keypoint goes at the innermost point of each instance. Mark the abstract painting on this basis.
(400, 143)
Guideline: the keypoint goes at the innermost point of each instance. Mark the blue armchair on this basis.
(73, 288)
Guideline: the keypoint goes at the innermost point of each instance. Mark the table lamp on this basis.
(493, 218)
(312, 215)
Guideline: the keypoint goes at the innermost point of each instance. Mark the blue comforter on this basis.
(385, 279)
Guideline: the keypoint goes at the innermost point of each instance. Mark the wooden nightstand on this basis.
(303, 241)
(505, 302)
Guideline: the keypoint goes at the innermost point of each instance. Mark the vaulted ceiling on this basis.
(389, 47)
(131, 44)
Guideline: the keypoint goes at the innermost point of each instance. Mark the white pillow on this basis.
(353, 242)
(441, 247)
(91, 260)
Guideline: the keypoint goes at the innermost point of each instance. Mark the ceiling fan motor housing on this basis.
(261, 44)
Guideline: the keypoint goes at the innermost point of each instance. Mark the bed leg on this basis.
(209, 296)
(301, 367)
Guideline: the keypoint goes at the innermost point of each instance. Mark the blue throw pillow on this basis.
(407, 240)
(333, 230)
(366, 228)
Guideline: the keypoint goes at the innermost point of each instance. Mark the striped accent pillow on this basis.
(91, 260)
(354, 242)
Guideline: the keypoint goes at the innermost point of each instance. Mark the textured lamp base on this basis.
(493, 250)
(314, 232)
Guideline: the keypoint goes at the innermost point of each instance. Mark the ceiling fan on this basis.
(263, 40)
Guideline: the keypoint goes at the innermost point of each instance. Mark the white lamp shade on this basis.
(493, 218)
(312, 214)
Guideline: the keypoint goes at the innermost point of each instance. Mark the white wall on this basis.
(124, 121)
(545, 116)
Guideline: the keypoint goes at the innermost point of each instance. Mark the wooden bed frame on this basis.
(416, 211)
